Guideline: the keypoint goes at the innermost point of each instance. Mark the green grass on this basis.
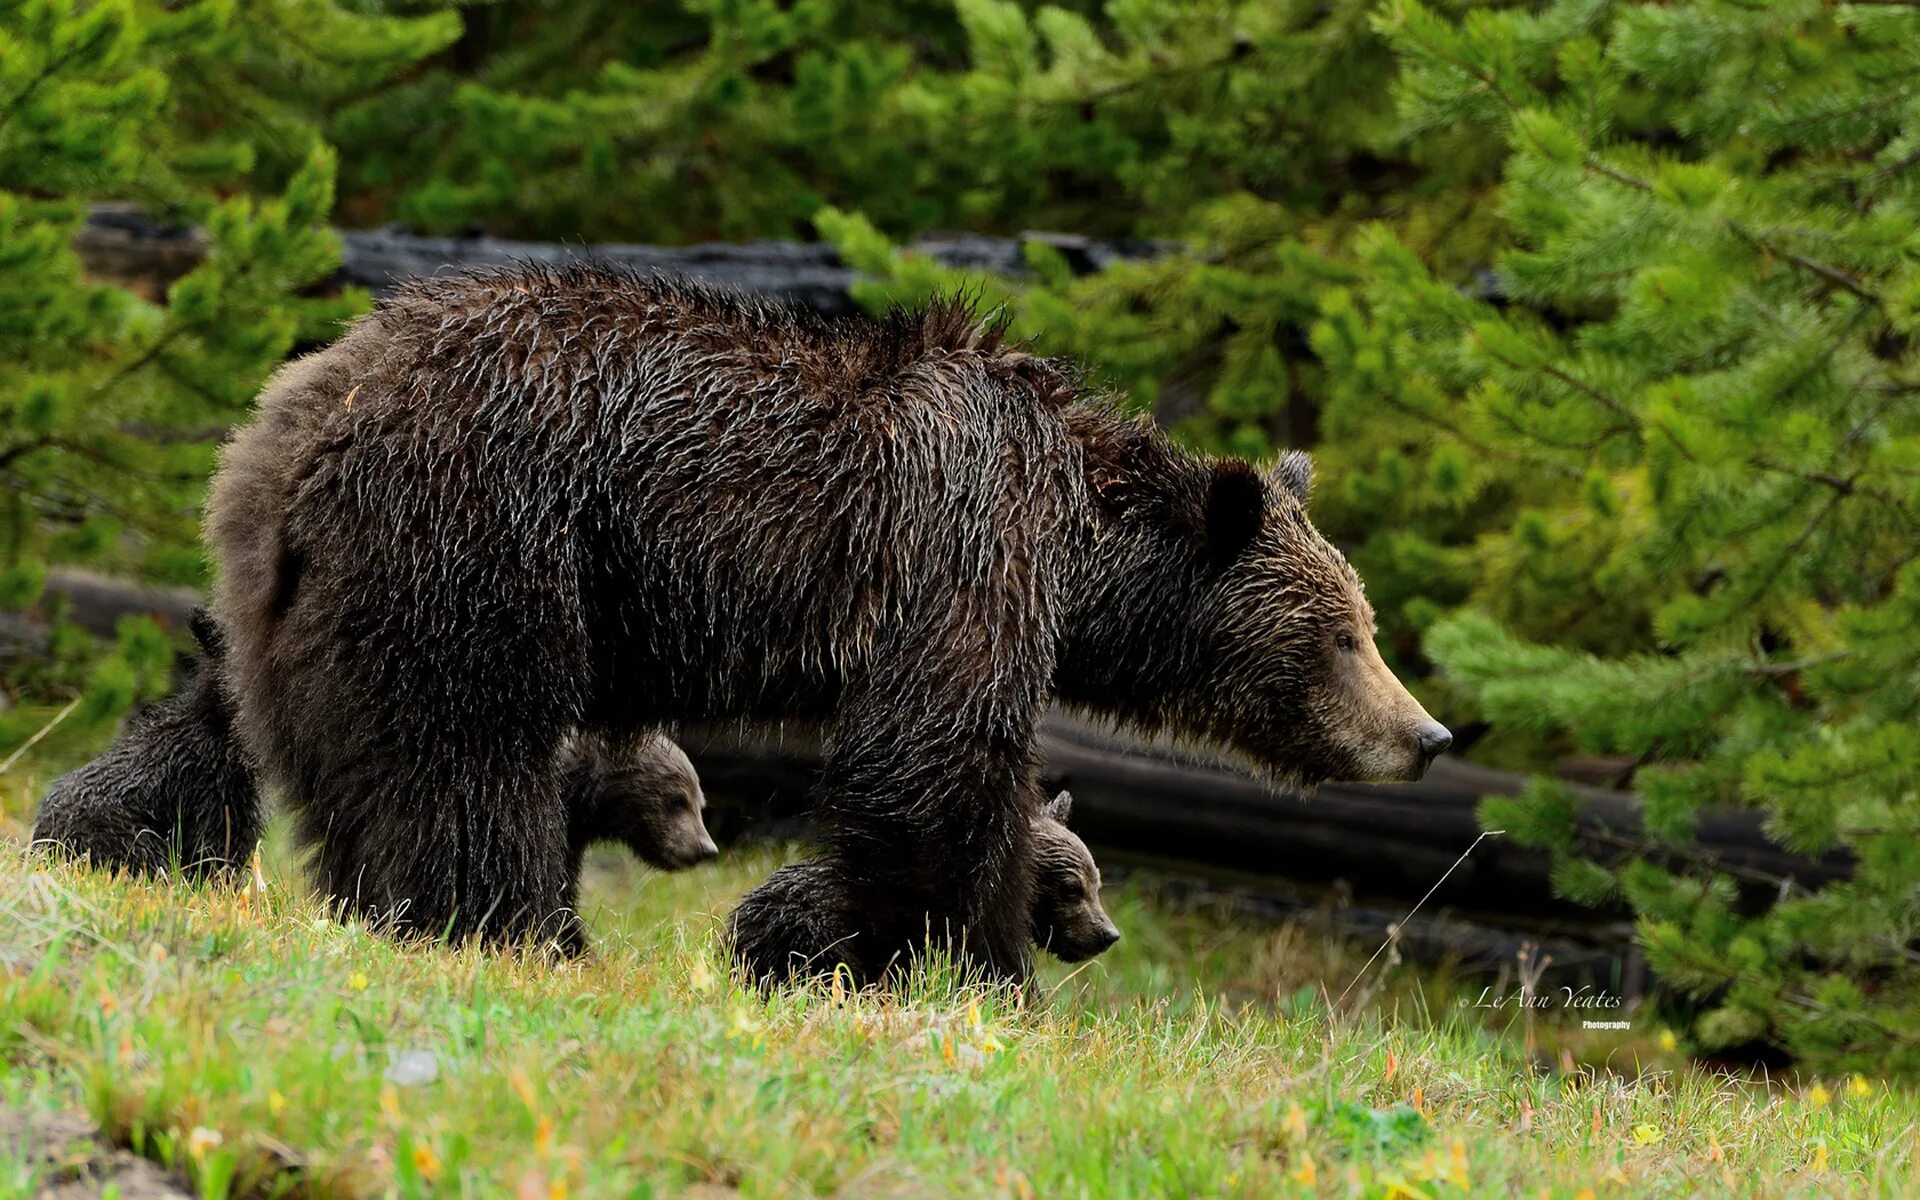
(244, 1039)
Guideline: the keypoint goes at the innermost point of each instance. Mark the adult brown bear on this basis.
(512, 507)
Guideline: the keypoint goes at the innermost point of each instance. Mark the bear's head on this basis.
(1068, 921)
(655, 805)
(1214, 608)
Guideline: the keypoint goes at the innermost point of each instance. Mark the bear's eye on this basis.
(1344, 641)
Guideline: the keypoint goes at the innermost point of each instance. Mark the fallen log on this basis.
(1141, 802)
(121, 246)
(1356, 856)
(94, 602)
(1384, 845)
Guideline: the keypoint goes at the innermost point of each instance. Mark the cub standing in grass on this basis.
(174, 789)
(647, 798)
(510, 507)
(797, 920)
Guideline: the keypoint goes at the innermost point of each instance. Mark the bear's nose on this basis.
(1433, 738)
(705, 850)
(1108, 937)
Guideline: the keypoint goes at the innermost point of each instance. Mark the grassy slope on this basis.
(1165, 1069)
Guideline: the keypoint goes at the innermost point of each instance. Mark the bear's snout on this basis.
(1430, 740)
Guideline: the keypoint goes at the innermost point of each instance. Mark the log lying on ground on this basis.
(1188, 811)
(95, 603)
(121, 246)
(1354, 855)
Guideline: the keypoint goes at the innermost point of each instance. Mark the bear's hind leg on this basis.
(471, 844)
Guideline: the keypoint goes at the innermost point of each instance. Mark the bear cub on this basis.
(648, 799)
(798, 916)
(1068, 920)
(174, 790)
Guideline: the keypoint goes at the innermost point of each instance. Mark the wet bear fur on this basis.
(797, 919)
(174, 790)
(513, 506)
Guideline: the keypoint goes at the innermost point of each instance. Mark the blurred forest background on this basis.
(1599, 318)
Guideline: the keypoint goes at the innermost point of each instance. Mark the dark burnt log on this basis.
(96, 602)
(1356, 855)
(1187, 810)
(121, 246)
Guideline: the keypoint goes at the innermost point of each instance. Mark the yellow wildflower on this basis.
(1430, 1167)
(357, 981)
(1648, 1135)
(1668, 1042)
(543, 1134)
(1457, 1165)
(947, 1052)
(426, 1162)
(973, 1014)
(1818, 1096)
(1296, 1122)
(1306, 1172)
(1859, 1086)
(276, 1103)
(745, 1026)
(1819, 1164)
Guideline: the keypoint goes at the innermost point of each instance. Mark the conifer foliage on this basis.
(111, 402)
(1600, 317)
(1695, 402)
(1646, 475)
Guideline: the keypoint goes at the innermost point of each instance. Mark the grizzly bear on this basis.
(174, 789)
(647, 798)
(795, 919)
(514, 505)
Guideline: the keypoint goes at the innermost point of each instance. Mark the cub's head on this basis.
(1233, 619)
(1068, 921)
(655, 805)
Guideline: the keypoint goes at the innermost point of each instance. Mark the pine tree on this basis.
(1688, 421)
(108, 399)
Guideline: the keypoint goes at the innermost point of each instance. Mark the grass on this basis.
(258, 1048)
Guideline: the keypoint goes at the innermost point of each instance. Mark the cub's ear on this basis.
(1295, 473)
(1236, 503)
(206, 631)
(1058, 807)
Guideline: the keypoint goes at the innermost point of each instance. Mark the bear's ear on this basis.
(1236, 503)
(1295, 473)
(1058, 807)
(206, 631)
